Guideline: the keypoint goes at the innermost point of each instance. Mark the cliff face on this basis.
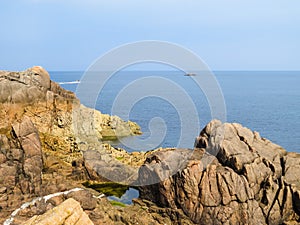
(250, 181)
(61, 120)
(21, 164)
(43, 129)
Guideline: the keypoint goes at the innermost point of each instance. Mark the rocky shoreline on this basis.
(232, 176)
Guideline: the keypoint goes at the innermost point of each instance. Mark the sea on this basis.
(172, 108)
(163, 102)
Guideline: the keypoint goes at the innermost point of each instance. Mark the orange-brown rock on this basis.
(67, 213)
(63, 123)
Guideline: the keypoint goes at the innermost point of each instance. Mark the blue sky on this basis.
(226, 34)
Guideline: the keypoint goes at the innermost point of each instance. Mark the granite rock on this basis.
(21, 165)
(67, 213)
(65, 126)
(233, 177)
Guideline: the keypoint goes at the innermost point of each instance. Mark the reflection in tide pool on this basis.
(126, 198)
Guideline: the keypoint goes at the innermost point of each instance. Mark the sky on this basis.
(226, 34)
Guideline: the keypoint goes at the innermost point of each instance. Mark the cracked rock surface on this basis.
(233, 177)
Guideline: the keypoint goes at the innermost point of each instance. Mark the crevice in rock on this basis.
(285, 189)
(245, 141)
(8, 77)
(275, 199)
(296, 199)
(282, 163)
(242, 139)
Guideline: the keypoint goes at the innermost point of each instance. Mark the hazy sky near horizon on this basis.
(226, 34)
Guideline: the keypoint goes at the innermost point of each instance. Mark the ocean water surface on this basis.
(264, 101)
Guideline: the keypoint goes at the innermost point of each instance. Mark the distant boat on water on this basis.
(70, 82)
(190, 74)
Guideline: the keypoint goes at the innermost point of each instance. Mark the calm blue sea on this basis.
(264, 101)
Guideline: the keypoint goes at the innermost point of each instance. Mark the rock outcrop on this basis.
(117, 165)
(43, 129)
(232, 176)
(63, 123)
(250, 180)
(28, 86)
(21, 164)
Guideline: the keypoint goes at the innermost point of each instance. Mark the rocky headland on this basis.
(232, 176)
(62, 122)
(250, 180)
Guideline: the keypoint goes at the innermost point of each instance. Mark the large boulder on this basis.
(233, 177)
(67, 213)
(42, 77)
(24, 87)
